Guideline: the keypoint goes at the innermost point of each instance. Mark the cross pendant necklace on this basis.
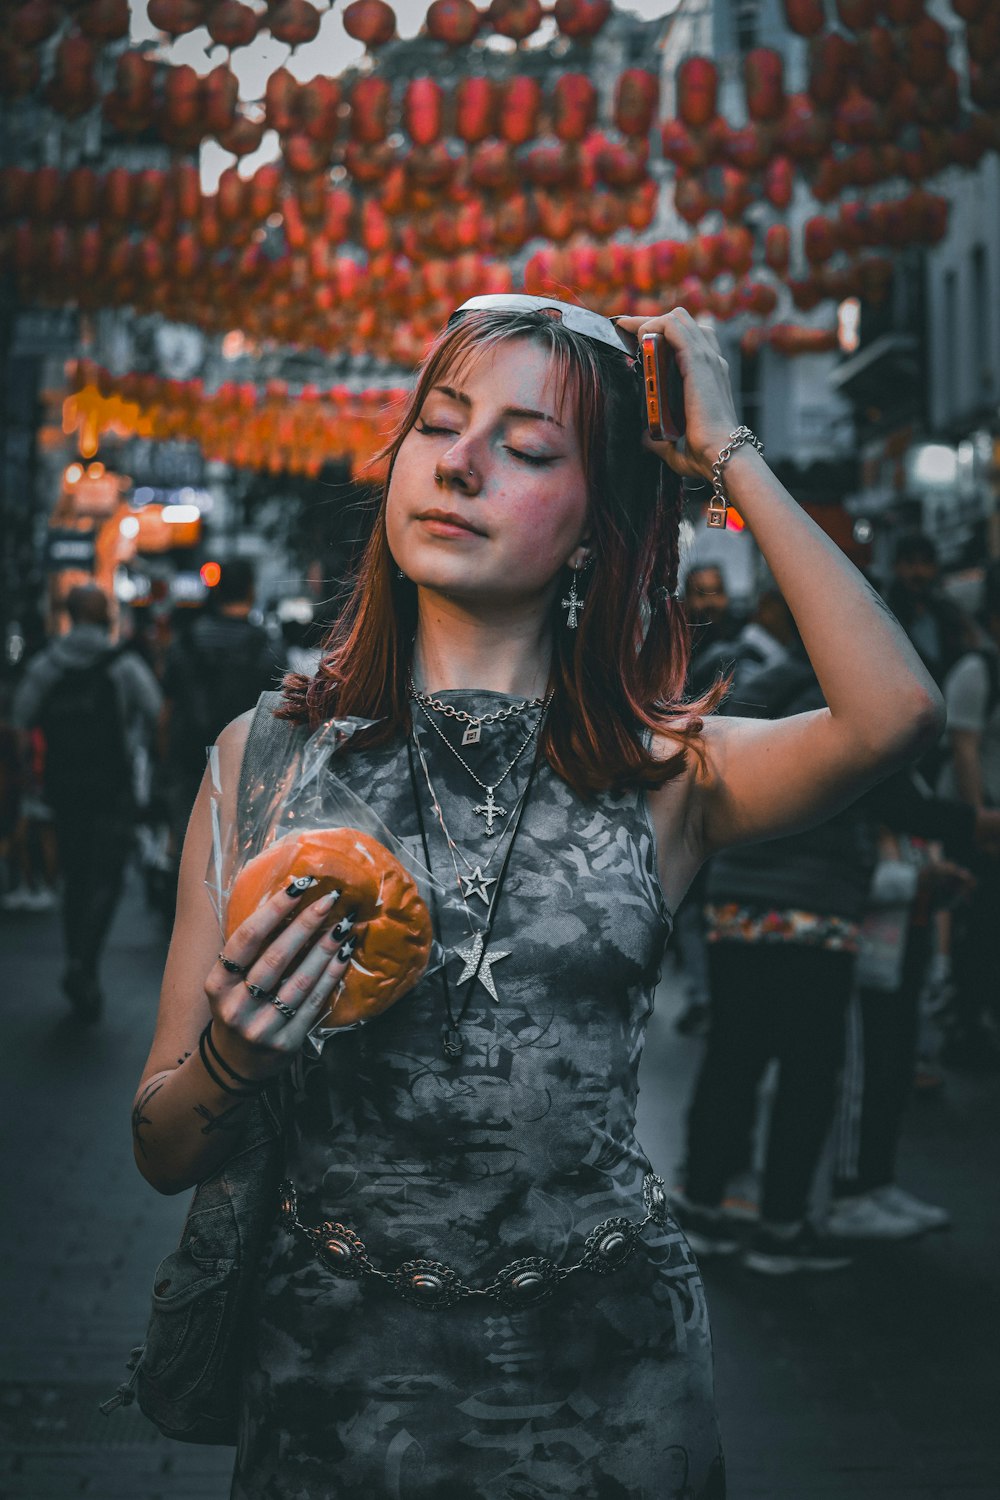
(490, 810)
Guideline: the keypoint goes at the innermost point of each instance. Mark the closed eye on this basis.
(537, 460)
(425, 428)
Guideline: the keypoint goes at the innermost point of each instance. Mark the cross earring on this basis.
(574, 604)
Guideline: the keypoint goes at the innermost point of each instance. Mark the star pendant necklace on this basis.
(477, 959)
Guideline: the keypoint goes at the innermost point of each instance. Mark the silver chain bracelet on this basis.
(719, 503)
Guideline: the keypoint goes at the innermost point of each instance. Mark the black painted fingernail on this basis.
(343, 927)
(300, 885)
(345, 951)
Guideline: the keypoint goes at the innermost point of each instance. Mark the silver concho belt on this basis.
(432, 1284)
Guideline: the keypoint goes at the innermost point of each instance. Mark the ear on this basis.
(579, 557)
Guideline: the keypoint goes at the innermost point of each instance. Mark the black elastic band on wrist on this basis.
(248, 1083)
(219, 1082)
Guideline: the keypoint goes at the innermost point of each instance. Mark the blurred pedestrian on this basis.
(972, 699)
(910, 882)
(782, 923)
(89, 698)
(215, 670)
(713, 625)
(937, 627)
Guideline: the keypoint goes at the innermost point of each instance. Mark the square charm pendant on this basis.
(472, 734)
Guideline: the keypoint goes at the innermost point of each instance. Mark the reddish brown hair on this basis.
(620, 675)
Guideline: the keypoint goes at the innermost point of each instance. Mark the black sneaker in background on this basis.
(707, 1230)
(773, 1252)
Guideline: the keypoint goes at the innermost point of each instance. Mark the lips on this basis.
(451, 518)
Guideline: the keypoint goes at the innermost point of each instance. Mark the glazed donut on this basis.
(392, 916)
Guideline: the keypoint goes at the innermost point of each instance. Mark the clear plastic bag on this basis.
(302, 796)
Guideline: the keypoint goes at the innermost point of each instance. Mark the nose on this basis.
(454, 471)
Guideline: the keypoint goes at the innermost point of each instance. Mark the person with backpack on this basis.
(216, 669)
(91, 699)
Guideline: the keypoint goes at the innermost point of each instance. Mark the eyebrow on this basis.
(508, 411)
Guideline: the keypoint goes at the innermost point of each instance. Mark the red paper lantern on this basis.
(777, 247)
(804, 132)
(574, 106)
(475, 109)
(736, 249)
(317, 108)
(176, 17)
(423, 110)
(805, 17)
(82, 194)
(926, 51)
(878, 68)
(15, 188)
(857, 15)
(185, 189)
(304, 156)
(232, 24)
(72, 88)
(516, 19)
(551, 166)
(181, 97)
(134, 77)
(939, 103)
(681, 147)
(368, 164)
(581, 18)
(697, 91)
(104, 20)
(430, 169)
(454, 22)
(281, 93)
(243, 136)
(779, 182)
(619, 165)
(641, 205)
(637, 94)
(294, 22)
(690, 198)
(372, 22)
(219, 96)
(903, 12)
(370, 99)
(492, 167)
(831, 60)
(19, 70)
(520, 101)
(557, 216)
(763, 73)
(33, 22)
(749, 147)
(858, 119)
(46, 189)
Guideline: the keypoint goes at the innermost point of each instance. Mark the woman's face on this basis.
(512, 509)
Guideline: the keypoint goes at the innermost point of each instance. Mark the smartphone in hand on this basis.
(663, 389)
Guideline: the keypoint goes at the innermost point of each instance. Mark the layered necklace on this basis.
(477, 958)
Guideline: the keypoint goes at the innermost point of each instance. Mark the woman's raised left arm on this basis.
(764, 778)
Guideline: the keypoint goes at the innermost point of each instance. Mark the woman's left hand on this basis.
(709, 410)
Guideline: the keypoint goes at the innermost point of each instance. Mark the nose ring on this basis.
(440, 480)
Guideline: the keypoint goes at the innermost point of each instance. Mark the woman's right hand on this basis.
(290, 966)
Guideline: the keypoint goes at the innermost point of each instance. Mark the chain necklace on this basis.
(475, 722)
(477, 957)
(490, 809)
(476, 882)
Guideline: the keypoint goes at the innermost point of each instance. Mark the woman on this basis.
(485, 1122)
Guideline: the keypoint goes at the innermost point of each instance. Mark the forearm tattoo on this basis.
(139, 1116)
(877, 600)
(223, 1121)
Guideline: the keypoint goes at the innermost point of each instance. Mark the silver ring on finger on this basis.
(259, 993)
(286, 1010)
(231, 966)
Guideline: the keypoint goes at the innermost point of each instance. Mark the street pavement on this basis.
(878, 1382)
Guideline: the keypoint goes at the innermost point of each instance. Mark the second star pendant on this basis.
(477, 884)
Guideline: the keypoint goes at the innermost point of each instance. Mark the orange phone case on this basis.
(664, 389)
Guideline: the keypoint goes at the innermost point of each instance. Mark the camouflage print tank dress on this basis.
(519, 1149)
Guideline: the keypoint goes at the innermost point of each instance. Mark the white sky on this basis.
(331, 52)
